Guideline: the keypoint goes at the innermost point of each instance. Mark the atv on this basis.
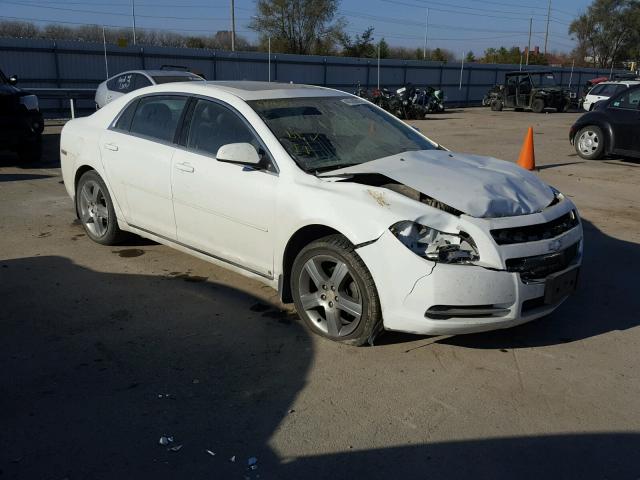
(531, 90)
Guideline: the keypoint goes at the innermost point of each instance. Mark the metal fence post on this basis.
(469, 69)
(73, 110)
(215, 66)
(368, 68)
(404, 74)
(56, 61)
(324, 78)
(275, 68)
(142, 59)
(441, 74)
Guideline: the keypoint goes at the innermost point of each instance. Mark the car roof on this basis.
(158, 73)
(248, 90)
(620, 82)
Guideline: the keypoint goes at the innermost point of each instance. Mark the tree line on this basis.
(608, 31)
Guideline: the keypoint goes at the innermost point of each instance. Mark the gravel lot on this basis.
(104, 350)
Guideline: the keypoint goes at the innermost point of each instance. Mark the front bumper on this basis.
(416, 294)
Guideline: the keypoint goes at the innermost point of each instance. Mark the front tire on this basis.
(589, 143)
(496, 106)
(538, 105)
(95, 210)
(334, 292)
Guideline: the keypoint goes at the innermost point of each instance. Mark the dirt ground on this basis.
(104, 350)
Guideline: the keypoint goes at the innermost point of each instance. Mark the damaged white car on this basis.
(360, 220)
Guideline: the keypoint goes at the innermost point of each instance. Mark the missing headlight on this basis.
(435, 245)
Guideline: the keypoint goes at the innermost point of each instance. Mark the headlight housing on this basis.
(435, 245)
(30, 102)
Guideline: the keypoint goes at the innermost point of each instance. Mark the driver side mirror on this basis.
(239, 153)
(13, 79)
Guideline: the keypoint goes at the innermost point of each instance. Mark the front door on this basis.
(223, 209)
(624, 112)
(137, 155)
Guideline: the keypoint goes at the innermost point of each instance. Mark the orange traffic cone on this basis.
(527, 158)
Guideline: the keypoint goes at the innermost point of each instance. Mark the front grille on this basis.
(533, 233)
(542, 266)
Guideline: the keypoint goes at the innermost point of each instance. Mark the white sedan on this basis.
(360, 220)
(127, 82)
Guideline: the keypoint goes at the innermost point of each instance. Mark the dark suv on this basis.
(21, 122)
(531, 90)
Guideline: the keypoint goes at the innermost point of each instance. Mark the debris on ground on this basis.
(165, 440)
(213, 454)
(232, 459)
(175, 448)
(252, 463)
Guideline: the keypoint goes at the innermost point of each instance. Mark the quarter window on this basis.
(124, 121)
(214, 125)
(122, 83)
(158, 116)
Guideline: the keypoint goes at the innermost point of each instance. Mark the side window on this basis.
(141, 81)
(214, 125)
(157, 116)
(124, 121)
(629, 100)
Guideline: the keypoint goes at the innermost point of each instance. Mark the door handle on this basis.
(185, 167)
(111, 146)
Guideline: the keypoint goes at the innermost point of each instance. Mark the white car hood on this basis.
(478, 186)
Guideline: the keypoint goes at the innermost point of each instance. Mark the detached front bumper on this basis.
(419, 296)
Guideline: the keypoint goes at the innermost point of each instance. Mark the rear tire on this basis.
(334, 292)
(496, 105)
(589, 143)
(538, 105)
(95, 210)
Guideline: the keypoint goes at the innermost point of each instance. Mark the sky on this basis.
(458, 25)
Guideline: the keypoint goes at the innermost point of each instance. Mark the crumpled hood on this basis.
(475, 185)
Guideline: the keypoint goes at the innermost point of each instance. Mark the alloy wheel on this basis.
(94, 212)
(330, 296)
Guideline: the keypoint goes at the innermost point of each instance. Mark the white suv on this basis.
(604, 91)
(126, 82)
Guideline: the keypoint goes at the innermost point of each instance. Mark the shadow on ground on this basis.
(85, 356)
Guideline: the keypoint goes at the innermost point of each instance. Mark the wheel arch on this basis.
(300, 239)
(607, 130)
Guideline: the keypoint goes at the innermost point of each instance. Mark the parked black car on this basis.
(531, 90)
(21, 122)
(612, 127)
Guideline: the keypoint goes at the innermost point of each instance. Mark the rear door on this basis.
(624, 113)
(137, 153)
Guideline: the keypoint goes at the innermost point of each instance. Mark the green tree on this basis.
(470, 57)
(608, 31)
(383, 48)
(297, 26)
(360, 46)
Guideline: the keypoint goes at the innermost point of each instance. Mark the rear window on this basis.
(160, 79)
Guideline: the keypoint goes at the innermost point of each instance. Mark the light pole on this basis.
(426, 32)
(233, 27)
(133, 15)
(546, 35)
(529, 47)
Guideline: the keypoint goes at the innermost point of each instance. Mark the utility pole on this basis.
(104, 46)
(233, 27)
(529, 47)
(133, 14)
(546, 35)
(426, 33)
